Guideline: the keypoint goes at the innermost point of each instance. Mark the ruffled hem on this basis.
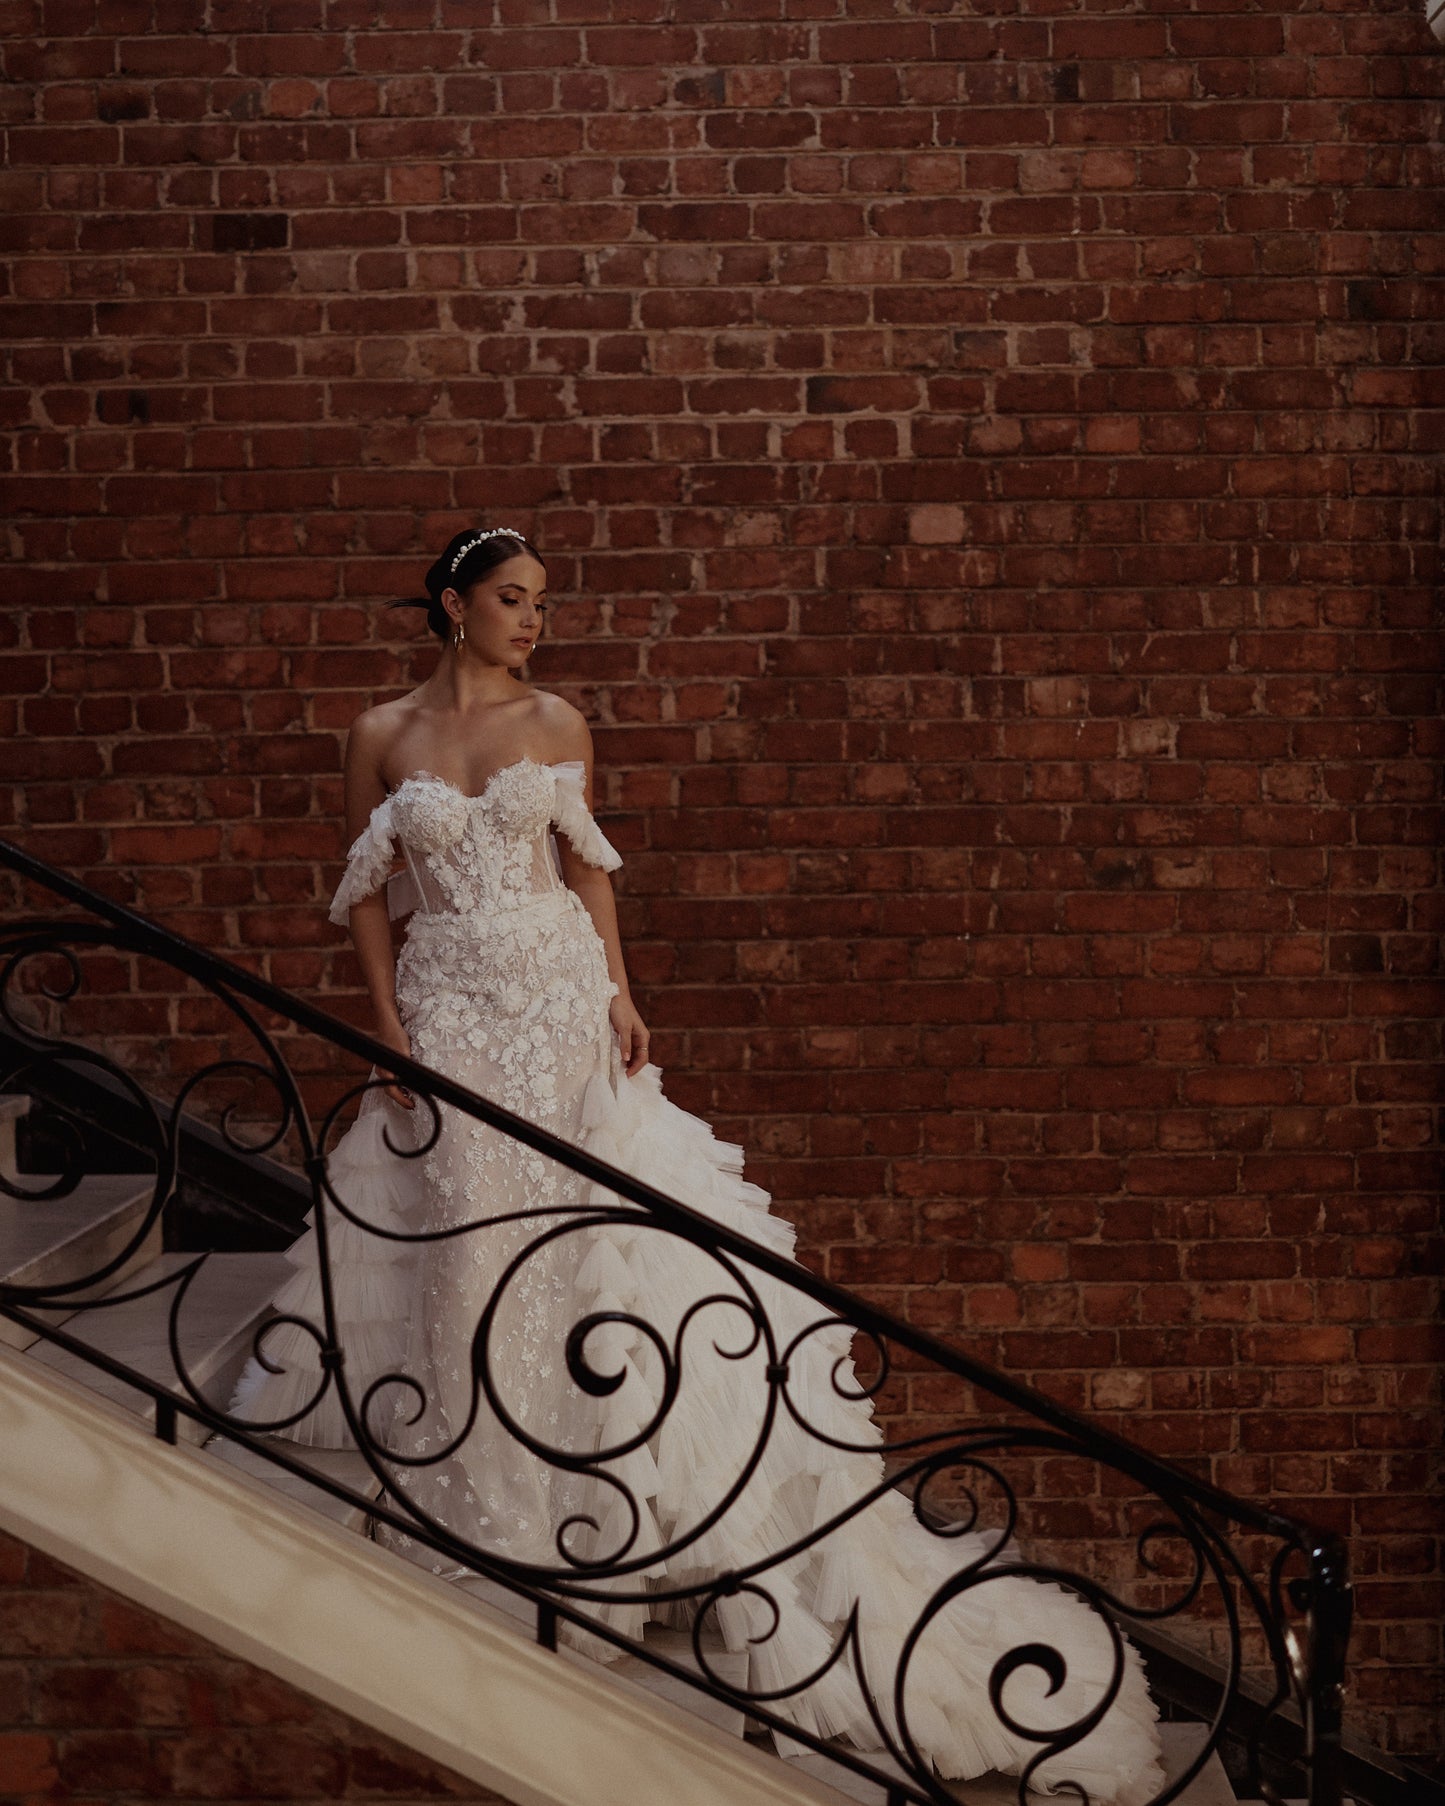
(883, 1558)
(371, 1284)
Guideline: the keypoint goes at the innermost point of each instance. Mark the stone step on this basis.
(342, 1465)
(229, 1296)
(47, 1241)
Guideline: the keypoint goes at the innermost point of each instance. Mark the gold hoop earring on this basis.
(459, 638)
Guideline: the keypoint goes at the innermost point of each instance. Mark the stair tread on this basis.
(36, 1234)
(228, 1295)
(160, 1266)
(730, 1665)
(719, 1712)
(676, 1646)
(342, 1465)
(1181, 1742)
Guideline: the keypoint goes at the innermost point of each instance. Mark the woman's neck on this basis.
(463, 684)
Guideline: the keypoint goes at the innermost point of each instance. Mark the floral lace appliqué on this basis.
(502, 985)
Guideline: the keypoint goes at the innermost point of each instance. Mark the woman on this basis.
(511, 982)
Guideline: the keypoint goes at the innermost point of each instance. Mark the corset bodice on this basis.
(473, 855)
(477, 854)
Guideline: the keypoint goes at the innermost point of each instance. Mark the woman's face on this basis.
(501, 613)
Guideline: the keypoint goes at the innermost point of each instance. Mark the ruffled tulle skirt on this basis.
(370, 1278)
(791, 1477)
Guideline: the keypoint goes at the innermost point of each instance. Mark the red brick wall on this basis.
(983, 464)
(104, 1702)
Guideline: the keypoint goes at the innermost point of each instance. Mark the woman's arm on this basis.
(594, 887)
(370, 921)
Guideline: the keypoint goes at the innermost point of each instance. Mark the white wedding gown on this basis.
(502, 986)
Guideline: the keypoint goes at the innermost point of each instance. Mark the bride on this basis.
(511, 982)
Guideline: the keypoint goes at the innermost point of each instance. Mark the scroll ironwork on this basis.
(1275, 1591)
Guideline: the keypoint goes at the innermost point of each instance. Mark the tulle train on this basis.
(882, 1557)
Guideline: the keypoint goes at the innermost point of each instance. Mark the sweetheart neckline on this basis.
(482, 794)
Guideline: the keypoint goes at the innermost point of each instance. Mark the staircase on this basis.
(606, 1724)
(111, 1467)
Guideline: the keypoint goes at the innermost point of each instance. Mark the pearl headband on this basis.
(472, 544)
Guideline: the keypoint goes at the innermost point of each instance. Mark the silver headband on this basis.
(476, 540)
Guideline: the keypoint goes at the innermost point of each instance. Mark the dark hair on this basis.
(468, 556)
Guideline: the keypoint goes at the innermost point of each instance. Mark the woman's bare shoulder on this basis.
(563, 727)
(374, 731)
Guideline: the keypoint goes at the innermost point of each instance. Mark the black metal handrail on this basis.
(1297, 1609)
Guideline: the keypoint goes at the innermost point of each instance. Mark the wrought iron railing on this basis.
(1272, 1593)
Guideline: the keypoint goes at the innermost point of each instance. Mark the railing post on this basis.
(1331, 1609)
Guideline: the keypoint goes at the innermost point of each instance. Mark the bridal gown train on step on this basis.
(502, 986)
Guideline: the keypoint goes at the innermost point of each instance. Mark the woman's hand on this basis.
(394, 1036)
(632, 1034)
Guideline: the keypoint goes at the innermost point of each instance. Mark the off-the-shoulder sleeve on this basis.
(572, 816)
(367, 864)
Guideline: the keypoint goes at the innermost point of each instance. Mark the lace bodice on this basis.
(484, 853)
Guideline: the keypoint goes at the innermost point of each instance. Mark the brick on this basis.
(34, 1622)
(27, 1763)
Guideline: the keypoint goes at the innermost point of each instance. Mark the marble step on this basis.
(342, 1465)
(1181, 1743)
(46, 1241)
(228, 1297)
